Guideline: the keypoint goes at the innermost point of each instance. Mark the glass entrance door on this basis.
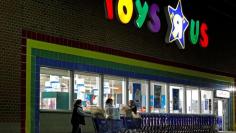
(221, 112)
(220, 115)
(192, 100)
(225, 115)
(176, 99)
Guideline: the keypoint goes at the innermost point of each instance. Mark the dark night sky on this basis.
(220, 18)
(219, 15)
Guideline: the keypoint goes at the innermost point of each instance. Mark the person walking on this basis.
(77, 118)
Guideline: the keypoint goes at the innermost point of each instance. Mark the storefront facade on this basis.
(94, 76)
(56, 65)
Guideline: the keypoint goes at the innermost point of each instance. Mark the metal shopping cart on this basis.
(132, 124)
(109, 125)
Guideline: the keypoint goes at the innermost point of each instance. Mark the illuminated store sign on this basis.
(194, 33)
(125, 10)
(177, 22)
(222, 94)
(177, 26)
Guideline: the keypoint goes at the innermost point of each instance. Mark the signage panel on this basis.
(222, 94)
(177, 22)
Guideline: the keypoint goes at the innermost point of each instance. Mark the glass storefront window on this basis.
(206, 102)
(192, 100)
(138, 92)
(86, 88)
(158, 98)
(113, 88)
(54, 89)
(55, 93)
(176, 99)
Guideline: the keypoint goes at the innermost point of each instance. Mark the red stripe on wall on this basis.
(23, 84)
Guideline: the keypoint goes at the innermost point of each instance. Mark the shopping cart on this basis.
(109, 125)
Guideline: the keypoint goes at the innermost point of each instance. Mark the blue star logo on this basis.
(177, 25)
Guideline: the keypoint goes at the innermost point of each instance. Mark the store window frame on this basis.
(147, 91)
(69, 91)
(88, 74)
(71, 88)
(123, 97)
(199, 98)
(206, 89)
(169, 98)
(154, 82)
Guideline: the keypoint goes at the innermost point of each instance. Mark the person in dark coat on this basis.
(133, 106)
(77, 118)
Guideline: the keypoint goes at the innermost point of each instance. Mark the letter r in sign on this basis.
(178, 26)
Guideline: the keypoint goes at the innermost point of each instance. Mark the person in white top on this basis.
(108, 108)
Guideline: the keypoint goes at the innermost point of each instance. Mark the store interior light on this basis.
(114, 88)
(64, 77)
(231, 89)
